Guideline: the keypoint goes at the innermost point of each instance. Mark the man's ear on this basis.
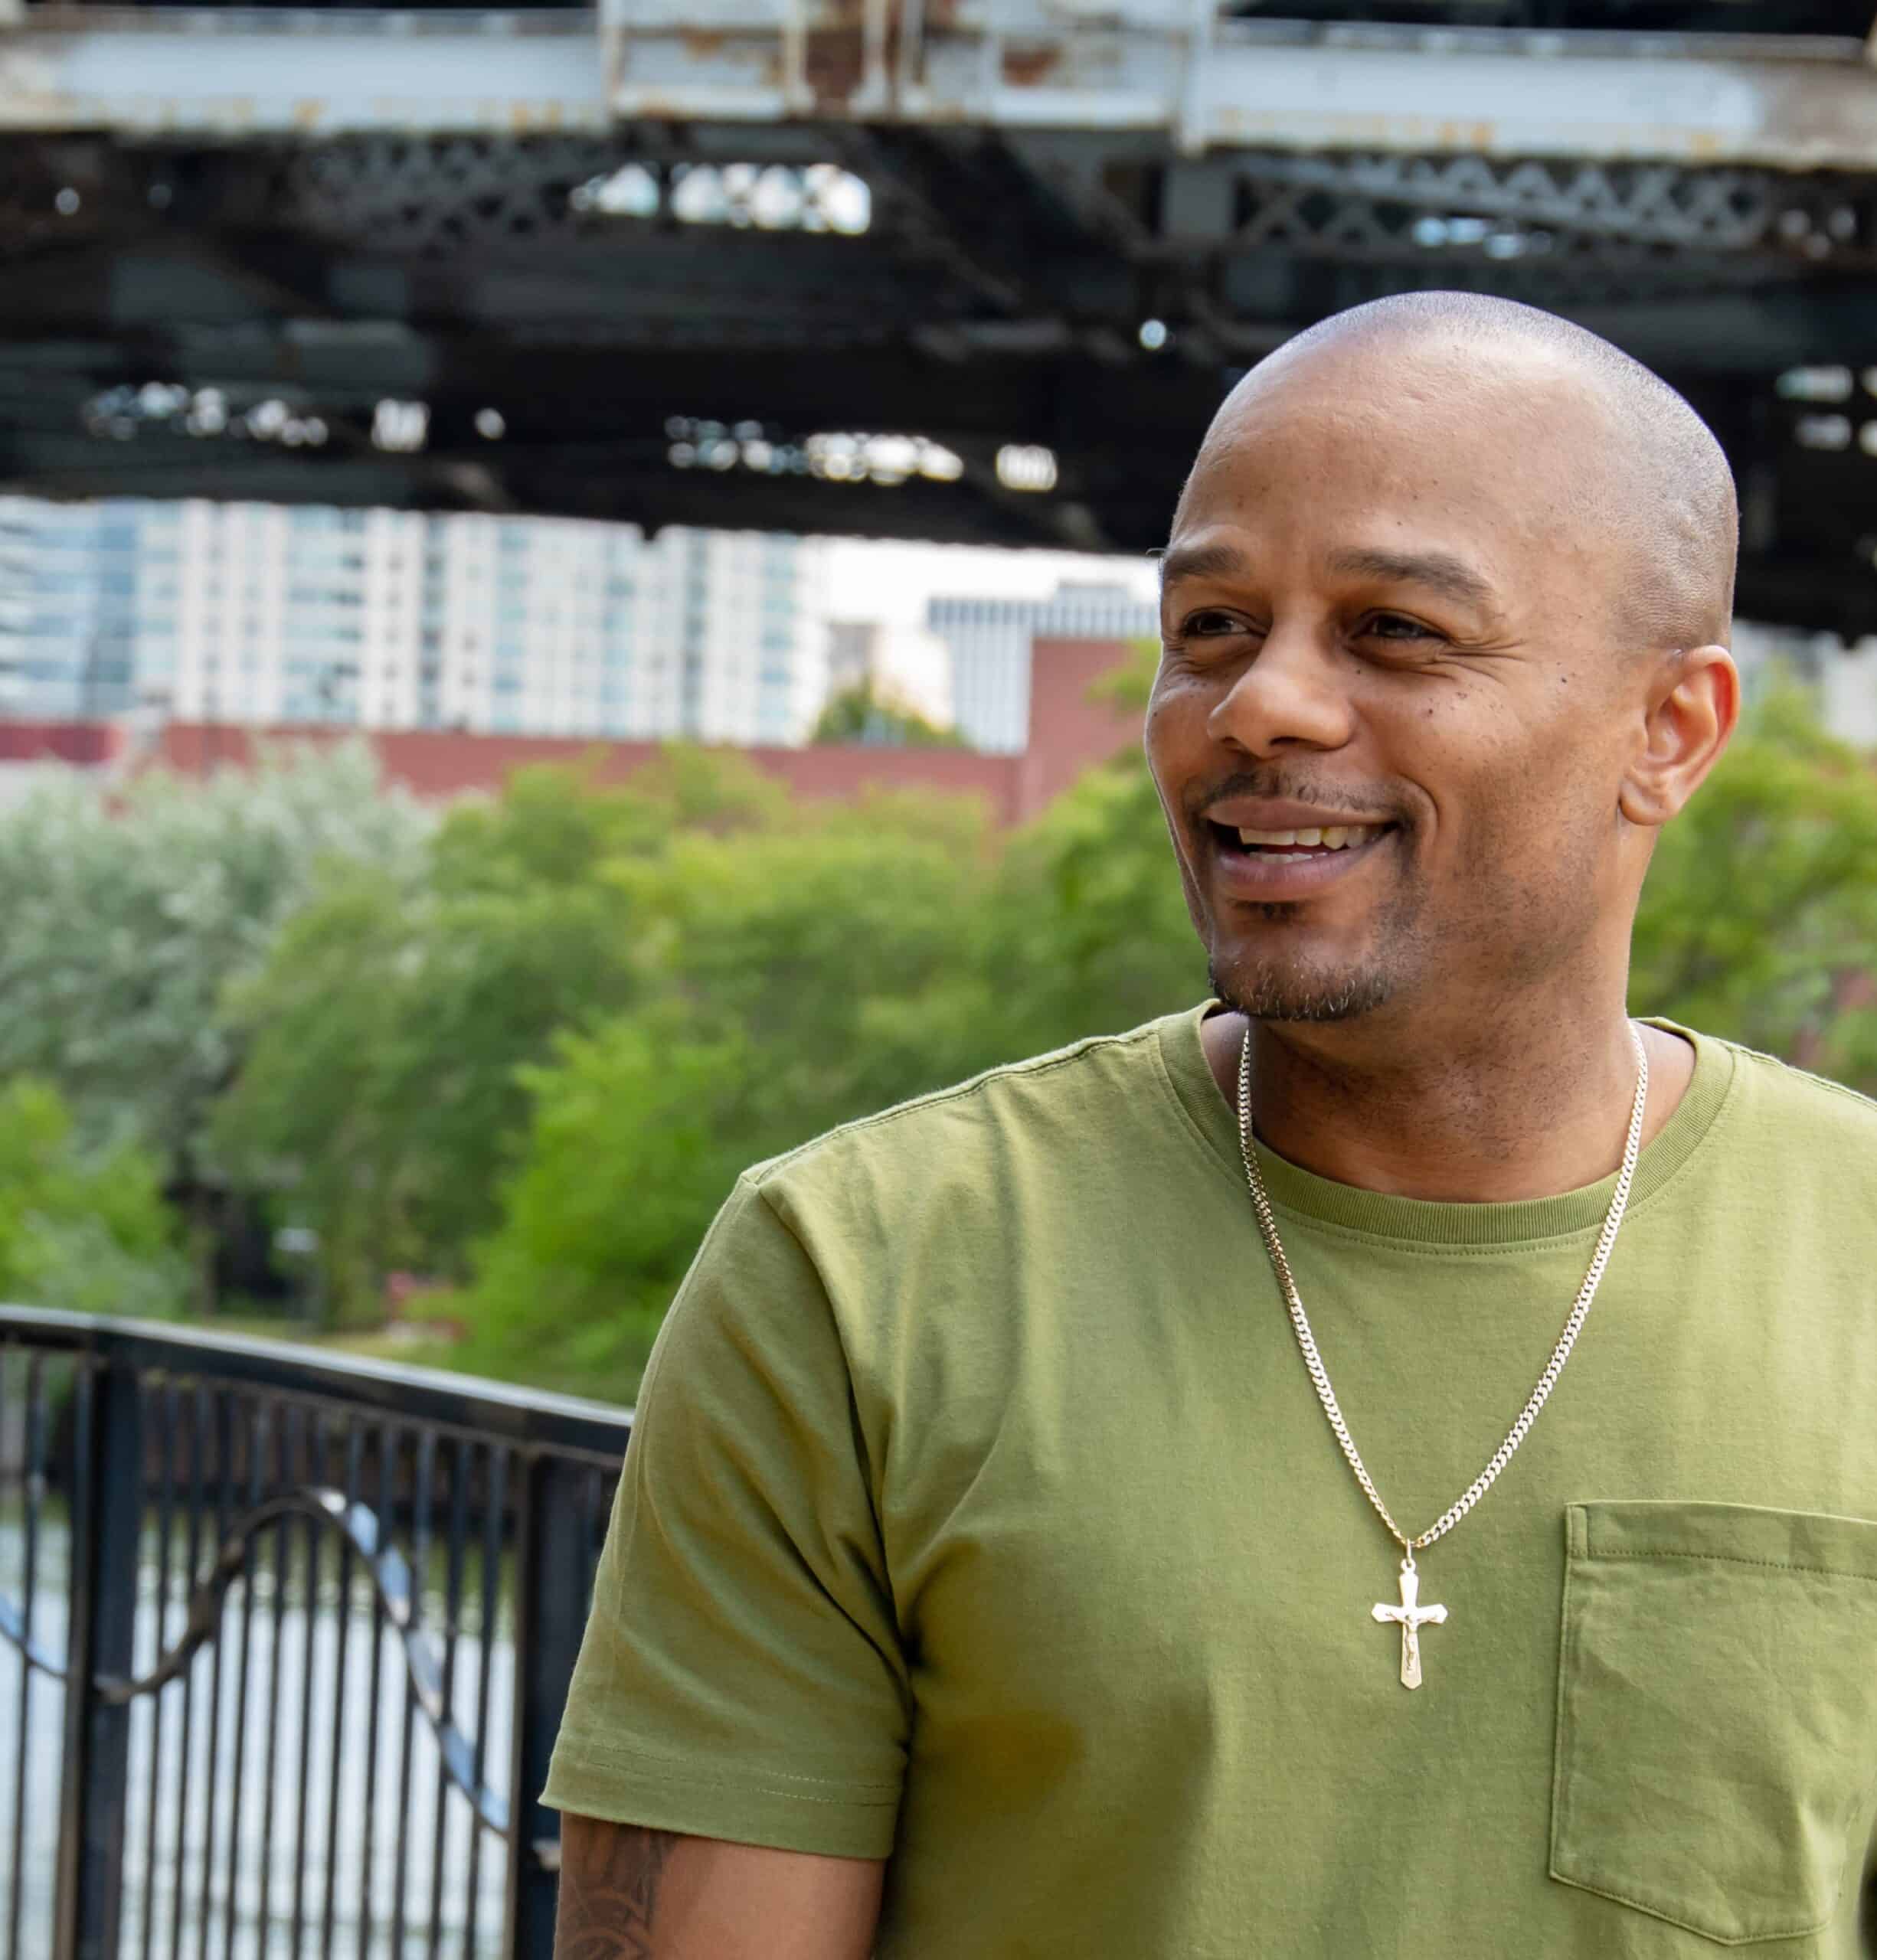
(1690, 713)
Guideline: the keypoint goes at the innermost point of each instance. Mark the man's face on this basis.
(1386, 615)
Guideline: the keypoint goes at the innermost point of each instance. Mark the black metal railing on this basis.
(284, 1639)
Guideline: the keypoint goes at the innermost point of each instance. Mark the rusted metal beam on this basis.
(1212, 84)
(1172, 68)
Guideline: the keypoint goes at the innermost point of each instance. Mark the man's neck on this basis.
(1491, 1120)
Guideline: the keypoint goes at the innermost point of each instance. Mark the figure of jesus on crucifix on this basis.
(1412, 1618)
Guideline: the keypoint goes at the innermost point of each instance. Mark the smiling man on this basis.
(1380, 1463)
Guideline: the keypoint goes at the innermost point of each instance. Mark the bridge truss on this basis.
(965, 269)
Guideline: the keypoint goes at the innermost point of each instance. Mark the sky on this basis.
(871, 579)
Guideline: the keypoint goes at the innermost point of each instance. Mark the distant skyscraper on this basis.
(88, 604)
(990, 639)
(261, 614)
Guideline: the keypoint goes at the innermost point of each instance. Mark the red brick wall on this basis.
(1068, 732)
(434, 763)
(82, 742)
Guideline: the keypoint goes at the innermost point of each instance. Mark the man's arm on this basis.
(629, 1893)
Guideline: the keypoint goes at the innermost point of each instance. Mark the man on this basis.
(991, 1575)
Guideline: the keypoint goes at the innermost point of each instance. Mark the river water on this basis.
(214, 1870)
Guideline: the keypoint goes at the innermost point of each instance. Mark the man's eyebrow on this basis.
(1439, 571)
(1200, 561)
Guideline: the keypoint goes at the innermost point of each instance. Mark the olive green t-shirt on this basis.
(980, 1516)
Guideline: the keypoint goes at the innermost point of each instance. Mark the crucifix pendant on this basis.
(1411, 1617)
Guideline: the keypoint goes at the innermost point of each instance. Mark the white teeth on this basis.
(1335, 836)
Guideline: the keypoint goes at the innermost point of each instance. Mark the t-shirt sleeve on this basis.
(741, 1675)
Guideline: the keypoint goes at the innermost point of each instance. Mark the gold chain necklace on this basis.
(1410, 1615)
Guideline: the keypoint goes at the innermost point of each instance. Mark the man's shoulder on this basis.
(1794, 1110)
(1045, 1097)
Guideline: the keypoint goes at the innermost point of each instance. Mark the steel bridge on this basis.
(964, 270)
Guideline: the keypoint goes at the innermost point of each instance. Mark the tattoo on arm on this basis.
(610, 1891)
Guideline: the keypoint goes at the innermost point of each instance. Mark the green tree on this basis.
(82, 1227)
(860, 713)
(383, 1094)
(381, 1097)
(1759, 917)
(130, 909)
(1093, 932)
(638, 1131)
(795, 935)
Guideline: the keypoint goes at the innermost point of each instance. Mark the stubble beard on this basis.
(1274, 991)
(1268, 982)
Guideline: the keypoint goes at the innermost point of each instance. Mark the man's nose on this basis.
(1292, 692)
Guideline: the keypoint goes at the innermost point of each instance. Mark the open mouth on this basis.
(1272, 867)
(1292, 845)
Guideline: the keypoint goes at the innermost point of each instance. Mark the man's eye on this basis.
(1208, 623)
(1397, 626)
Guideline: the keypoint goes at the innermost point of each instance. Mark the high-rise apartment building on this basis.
(265, 615)
(88, 604)
(989, 640)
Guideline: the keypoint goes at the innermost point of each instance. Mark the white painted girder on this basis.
(1140, 65)
(224, 73)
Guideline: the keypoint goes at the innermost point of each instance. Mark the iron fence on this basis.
(284, 1639)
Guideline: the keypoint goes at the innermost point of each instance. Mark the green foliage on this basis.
(127, 914)
(859, 714)
(382, 1093)
(789, 934)
(84, 1228)
(638, 1132)
(1092, 931)
(1759, 918)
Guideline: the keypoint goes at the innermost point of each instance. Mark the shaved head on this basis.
(1618, 459)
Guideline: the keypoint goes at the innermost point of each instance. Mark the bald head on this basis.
(1617, 468)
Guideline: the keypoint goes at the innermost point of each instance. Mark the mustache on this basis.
(1290, 786)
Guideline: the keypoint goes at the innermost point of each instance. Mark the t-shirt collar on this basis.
(1302, 1194)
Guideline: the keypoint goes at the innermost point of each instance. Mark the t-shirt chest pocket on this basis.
(1717, 1713)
